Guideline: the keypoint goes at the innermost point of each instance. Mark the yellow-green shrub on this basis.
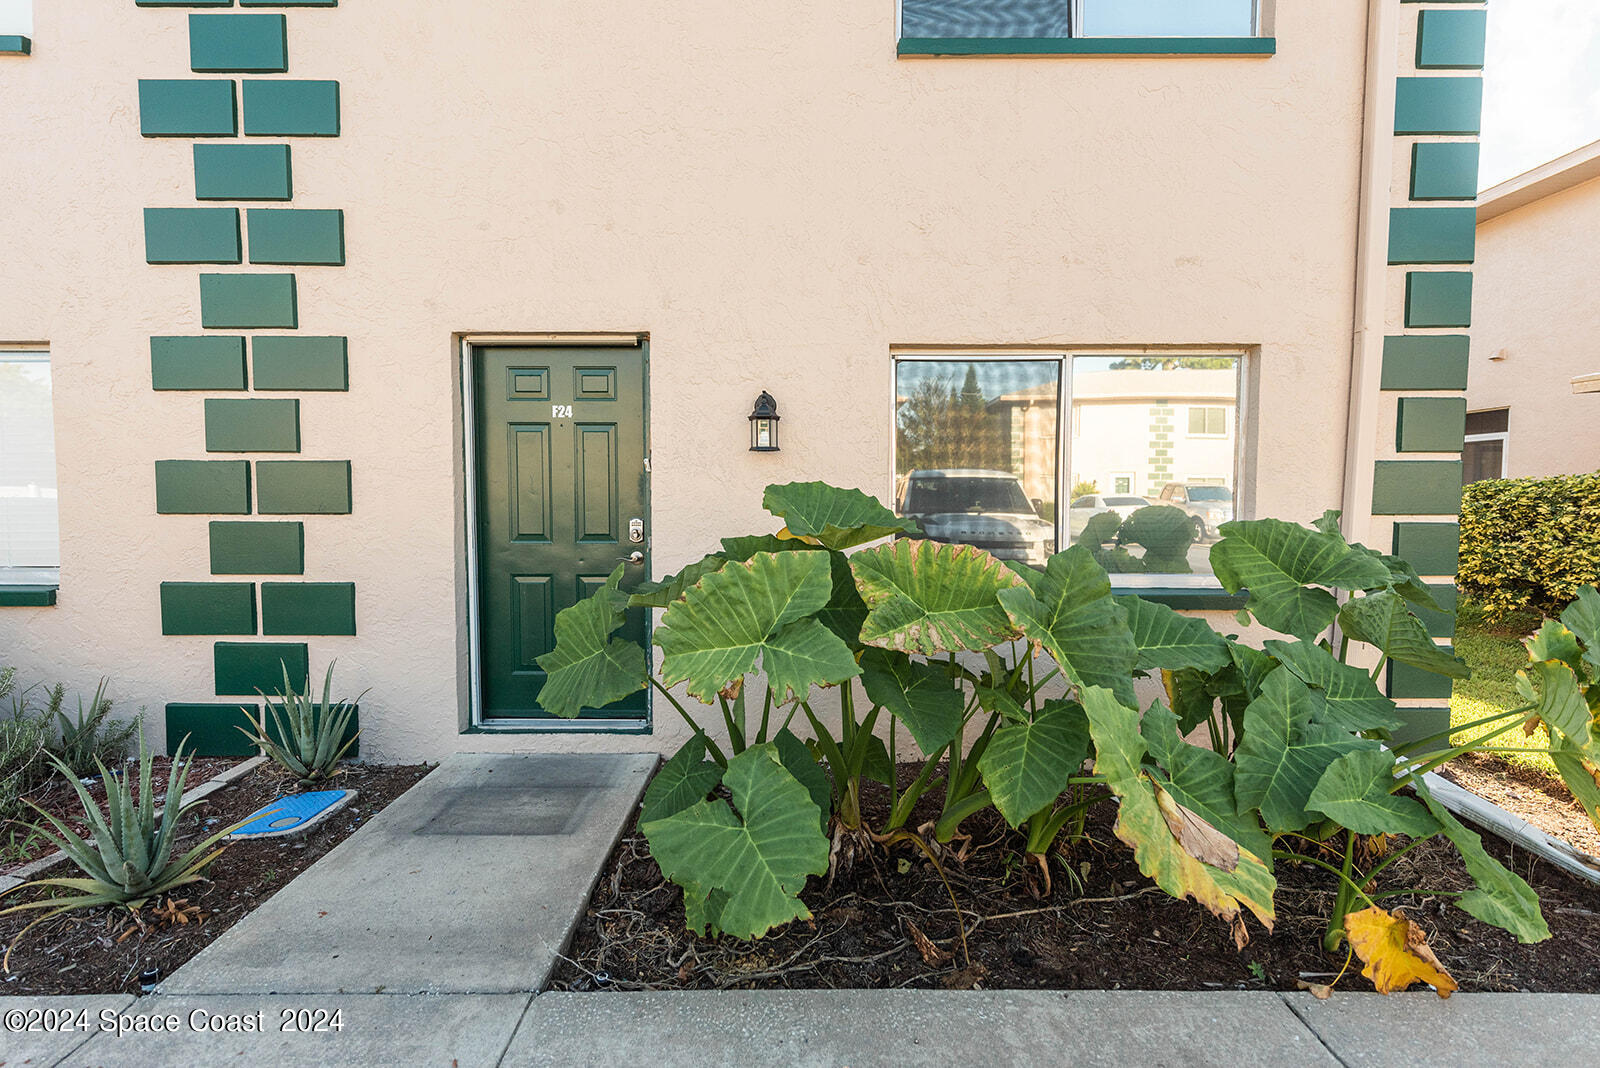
(1529, 543)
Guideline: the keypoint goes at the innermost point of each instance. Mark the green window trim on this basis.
(1187, 598)
(14, 44)
(1087, 46)
(27, 595)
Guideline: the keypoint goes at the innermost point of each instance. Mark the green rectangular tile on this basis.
(208, 608)
(210, 363)
(291, 108)
(1440, 624)
(1430, 548)
(1451, 40)
(210, 730)
(1407, 681)
(1417, 487)
(296, 236)
(257, 548)
(250, 44)
(1430, 424)
(1425, 361)
(254, 425)
(288, 3)
(182, 3)
(302, 363)
(27, 595)
(248, 301)
(303, 487)
(1435, 105)
(1444, 170)
(1438, 298)
(191, 235)
(1431, 235)
(1423, 723)
(242, 172)
(13, 44)
(244, 669)
(169, 108)
(308, 608)
(202, 487)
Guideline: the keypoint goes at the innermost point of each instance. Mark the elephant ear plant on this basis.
(1015, 688)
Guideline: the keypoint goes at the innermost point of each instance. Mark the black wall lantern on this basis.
(764, 424)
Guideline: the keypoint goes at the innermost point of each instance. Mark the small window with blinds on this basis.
(1011, 19)
(29, 532)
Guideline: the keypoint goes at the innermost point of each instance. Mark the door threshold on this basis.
(560, 726)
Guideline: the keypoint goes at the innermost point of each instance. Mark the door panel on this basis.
(560, 474)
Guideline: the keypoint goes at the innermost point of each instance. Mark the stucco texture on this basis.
(765, 190)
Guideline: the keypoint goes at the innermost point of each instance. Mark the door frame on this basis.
(468, 345)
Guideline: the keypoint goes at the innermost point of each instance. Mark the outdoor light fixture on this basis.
(764, 424)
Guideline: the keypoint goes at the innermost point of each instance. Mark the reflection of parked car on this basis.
(1209, 506)
(984, 508)
(1085, 508)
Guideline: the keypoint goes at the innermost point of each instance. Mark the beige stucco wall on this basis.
(1536, 326)
(765, 189)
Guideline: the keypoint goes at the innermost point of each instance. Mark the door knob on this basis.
(635, 557)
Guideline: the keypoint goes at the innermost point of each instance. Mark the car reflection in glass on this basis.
(1087, 507)
(988, 509)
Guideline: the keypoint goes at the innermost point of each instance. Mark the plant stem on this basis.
(735, 735)
(1396, 855)
(1419, 743)
(711, 745)
(766, 710)
(1383, 662)
(1447, 756)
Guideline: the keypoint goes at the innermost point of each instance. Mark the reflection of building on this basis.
(1028, 419)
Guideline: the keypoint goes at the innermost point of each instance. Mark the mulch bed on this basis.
(103, 951)
(889, 922)
(1538, 798)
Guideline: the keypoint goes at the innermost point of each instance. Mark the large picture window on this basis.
(29, 537)
(1144, 477)
(1077, 18)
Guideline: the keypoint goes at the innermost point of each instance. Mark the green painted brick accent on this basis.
(1425, 361)
(1407, 681)
(252, 44)
(1444, 170)
(1429, 424)
(202, 487)
(12, 44)
(186, 108)
(242, 172)
(1440, 624)
(243, 668)
(1431, 548)
(182, 3)
(1097, 46)
(297, 236)
(192, 235)
(291, 109)
(210, 730)
(208, 608)
(303, 487)
(1431, 235)
(1438, 298)
(27, 595)
(210, 363)
(257, 548)
(308, 608)
(254, 425)
(1423, 723)
(305, 363)
(1431, 105)
(1417, 487)
(248, 301)
(305, 3)
(1451, 40)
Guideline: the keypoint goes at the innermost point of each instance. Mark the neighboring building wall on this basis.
(766, 190)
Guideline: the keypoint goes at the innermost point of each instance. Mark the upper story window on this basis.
(1104, 26)
(29, 534)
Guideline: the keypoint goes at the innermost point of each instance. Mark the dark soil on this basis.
(1538, 798)
(103, 951)
(1102, 926)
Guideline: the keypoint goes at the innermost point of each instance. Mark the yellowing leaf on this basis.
(1395, 952)
(1198, 838)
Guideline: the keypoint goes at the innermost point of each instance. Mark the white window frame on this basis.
(1504, 438)
(45, 575)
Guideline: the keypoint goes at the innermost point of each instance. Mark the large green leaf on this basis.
(1384, 620)
(1501, 898)
(1352, 698)
(837, 518)
(1069, 611)
(1142, 823)
(1170, 641)
(1402, 576)
(845, 611)
(921, 696)
(1356, 792)
(1582, 616)
(1277, 561)
(931, 597)
(1562, 705)
(588, 668)
(1555, 641)
(682, 782)
(1285, 749)
(672, 588)
(1579, 775)
(798, 761)
(1027, 765)
(744, 866)
(1202, 781)
(755, 609)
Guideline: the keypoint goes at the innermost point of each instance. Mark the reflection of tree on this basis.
(1174, 363)
(942, 427)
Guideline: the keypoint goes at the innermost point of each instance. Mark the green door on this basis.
(562, 493)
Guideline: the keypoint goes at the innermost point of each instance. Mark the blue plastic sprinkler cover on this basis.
(293, 814)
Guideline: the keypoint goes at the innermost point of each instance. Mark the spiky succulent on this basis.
(307, 738)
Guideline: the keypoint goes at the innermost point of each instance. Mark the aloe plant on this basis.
(308, 738)
(91, 736)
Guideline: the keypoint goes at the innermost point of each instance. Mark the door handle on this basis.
(635, 557)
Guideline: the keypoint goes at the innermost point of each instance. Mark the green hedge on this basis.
(1529, 543)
